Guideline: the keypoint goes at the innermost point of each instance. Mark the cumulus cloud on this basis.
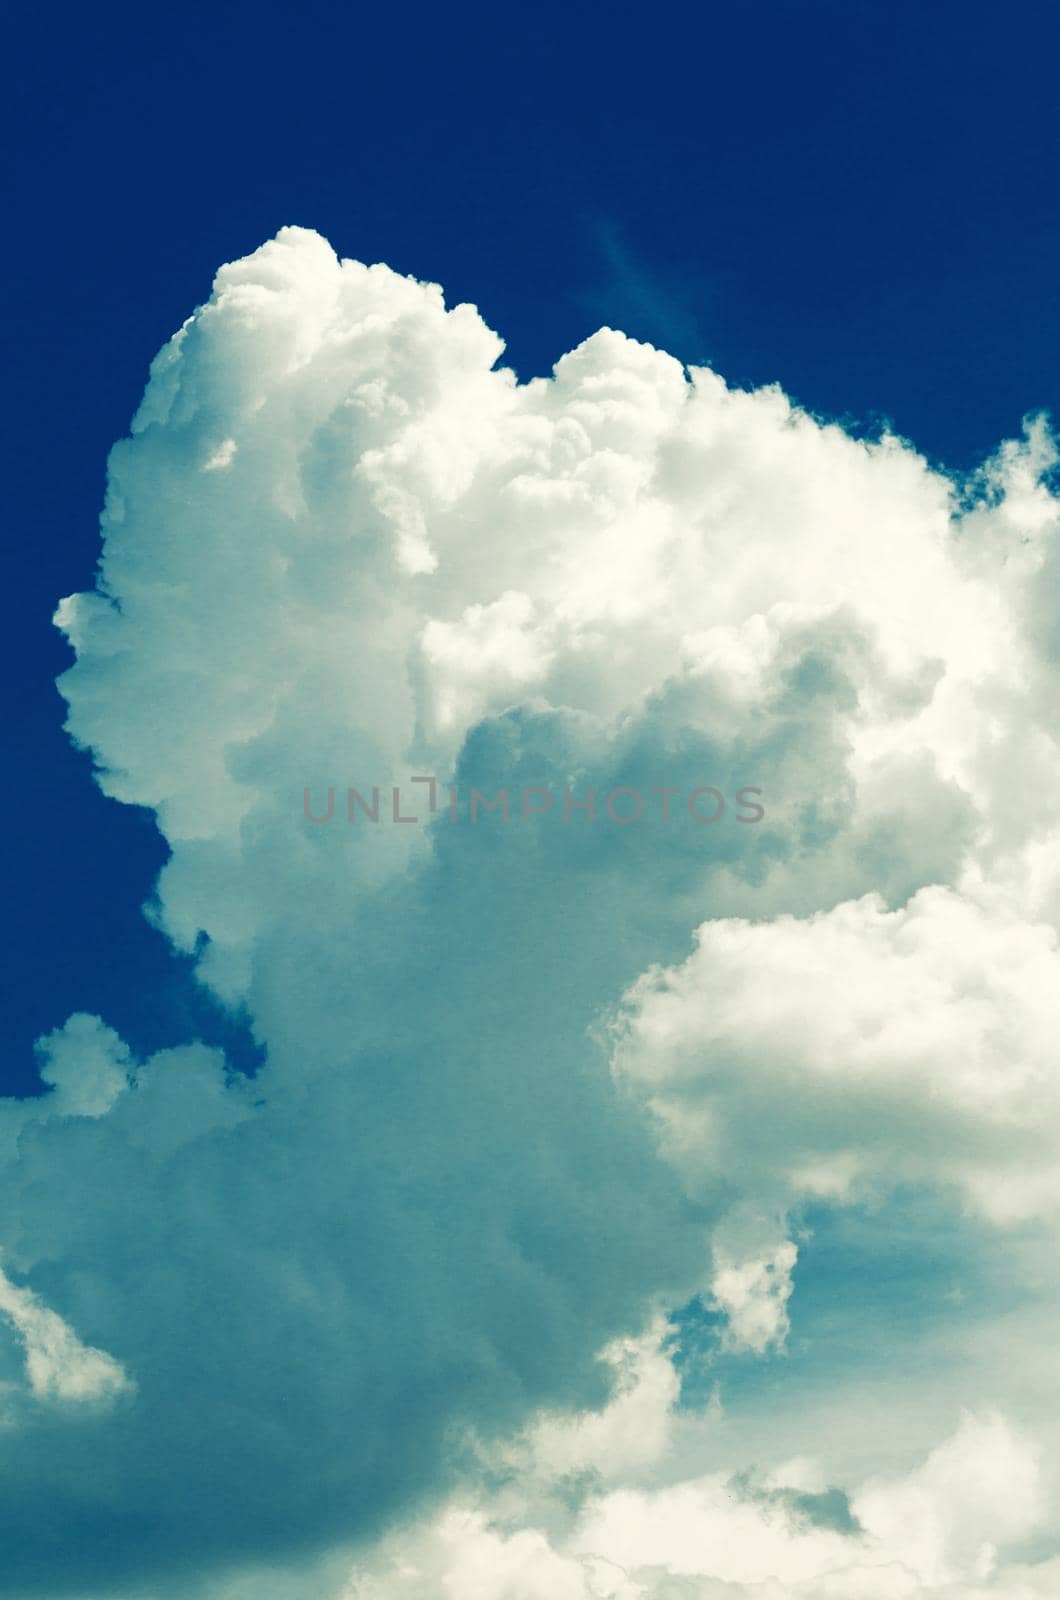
(776, 1046)
(86, 1065)
(507, 1121)
(933, 1534)
(628, 1435)
(753, 1296)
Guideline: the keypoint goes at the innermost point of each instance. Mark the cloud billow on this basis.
(525, 1088)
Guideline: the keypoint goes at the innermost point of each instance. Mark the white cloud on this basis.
(407, 540)
(87, 1066)
(464, 1559)
(626, 1436)
(932, 1534)
(342, 547)
(857, 1049)
(58, 1365)
(753, 1296)
(977, 1491)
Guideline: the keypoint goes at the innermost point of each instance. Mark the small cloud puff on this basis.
(58, 1365)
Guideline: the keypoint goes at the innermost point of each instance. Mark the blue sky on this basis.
(850, 200)
(591, 1211)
